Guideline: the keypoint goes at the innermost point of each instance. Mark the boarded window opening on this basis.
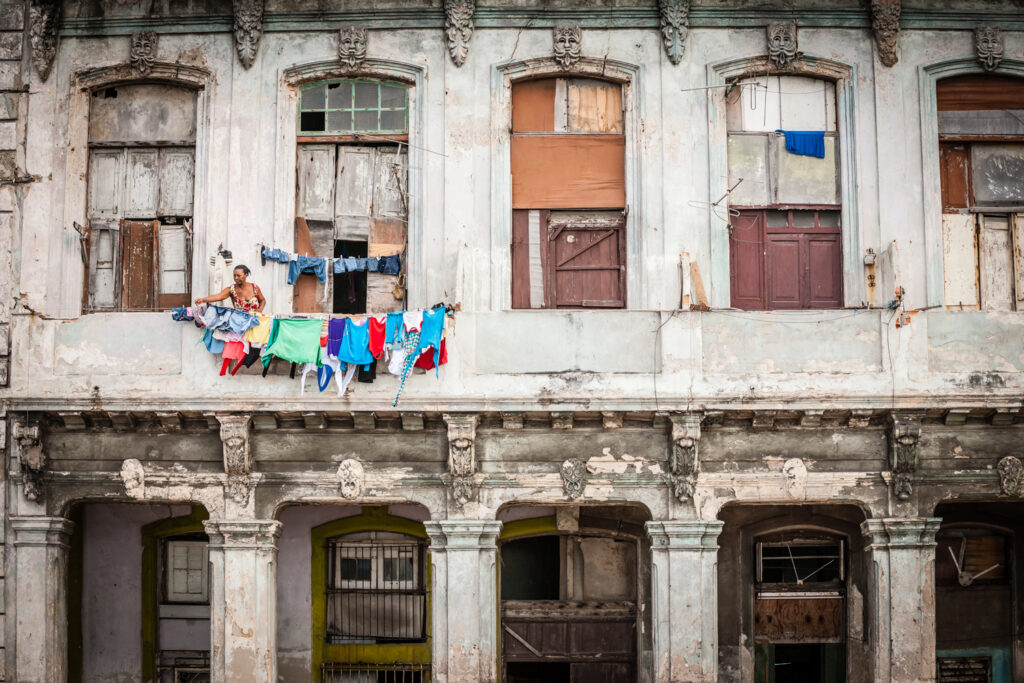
(349, 288)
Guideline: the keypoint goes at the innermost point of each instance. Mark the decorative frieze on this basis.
(885, 22)
(458, 28)
(782, 45)
(142, 53)
(248, 28)
(904, 437)
(988, 44)
(675, 23)
(574, 477)
(1011, 476)
(43, 18)
(351, 47)
(684, 459)
(461, 455)
(567, 45)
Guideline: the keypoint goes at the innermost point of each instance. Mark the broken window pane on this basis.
(353, 106)
(312, 122)
(339, 95)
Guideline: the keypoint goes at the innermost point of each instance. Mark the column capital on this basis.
(258, 534)
(463, 534)
(900, 532)
(684, 535)
(41, 531)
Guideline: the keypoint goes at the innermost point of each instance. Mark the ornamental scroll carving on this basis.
(675, 25)
(461, 456)
(684, 460)
(353, 478)
(458, 28)
(1011, 475)
(574, 477)
(567, 45)
(142, 52)
(782, 43)
(248, 28)
(351, 47)
(885, 22)
(31, 457)
(904, 435)
(43, 16)
(988, 44)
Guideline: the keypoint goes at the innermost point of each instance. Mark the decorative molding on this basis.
(133, 476)
(988, 45)
(684, 459)
(511, 420)
(574, 477)
(31, 457)
(458, 28)
(234, 434)
(675, 22)
(782, 43)
(1011, 476)
(461, 455)
(885, 22)
(904, 437)
(561, 420)
(353, 478)
(567, 45)
(43, 20)
(247, 27)
(142, 51)
(352, 47)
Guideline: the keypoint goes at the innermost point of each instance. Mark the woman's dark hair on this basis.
(244, 269)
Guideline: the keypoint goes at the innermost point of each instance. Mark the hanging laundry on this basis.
(411, 343)
(355, 346)
(390, 265)
(808, 143)
(395, 328)
(426, 359)
(378, 335)
(307, 264)
(431, 331)
(296, 340)
(261, 332)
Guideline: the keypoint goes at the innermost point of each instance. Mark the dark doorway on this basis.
(350, 287)
(535, 672)
(803, 663)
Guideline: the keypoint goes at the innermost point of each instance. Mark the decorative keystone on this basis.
(684, 459)
(461, 455)
(904, 435)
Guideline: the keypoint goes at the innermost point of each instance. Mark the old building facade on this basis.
(734, 374)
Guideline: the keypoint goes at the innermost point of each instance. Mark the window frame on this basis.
(311, 136)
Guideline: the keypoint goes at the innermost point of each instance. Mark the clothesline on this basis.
(319, 266)
(328, 345)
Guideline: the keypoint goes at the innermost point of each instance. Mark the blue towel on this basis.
(808, 143)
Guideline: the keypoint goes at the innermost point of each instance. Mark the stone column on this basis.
(40, 637)
(243, 600)
(901, 595)
(684, 600)
(463, 555)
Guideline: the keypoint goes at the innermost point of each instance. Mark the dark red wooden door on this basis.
(746, 261)
(586, 266)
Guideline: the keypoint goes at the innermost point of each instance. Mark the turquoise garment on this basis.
(355, 345)
(430, 334)
(296, 340)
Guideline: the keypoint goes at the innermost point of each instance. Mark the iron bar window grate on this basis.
(375, 673)
(376, 592)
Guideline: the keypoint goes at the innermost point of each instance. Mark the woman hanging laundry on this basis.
(245, 296)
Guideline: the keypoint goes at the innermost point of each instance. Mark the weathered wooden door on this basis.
(139, 256)
(586, 265)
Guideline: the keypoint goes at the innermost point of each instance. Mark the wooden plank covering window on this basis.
(973, 92)
(954, 161)
(305, 285)
(585, 266)
(139, 265)
(798, 620)
(533, 106)
(568, 172)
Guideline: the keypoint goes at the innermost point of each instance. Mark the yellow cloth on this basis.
(261, 333)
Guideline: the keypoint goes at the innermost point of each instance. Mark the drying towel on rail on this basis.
(808, 143)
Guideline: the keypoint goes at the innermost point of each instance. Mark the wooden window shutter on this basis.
(954, 175)
(104, 256)
(139, 265)
(746, 261)
(174, 258)
(586, 266)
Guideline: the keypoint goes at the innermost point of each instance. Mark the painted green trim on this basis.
(1000, 660)
(529, 527)
(373, 518)
(151, 535)
(543, 18)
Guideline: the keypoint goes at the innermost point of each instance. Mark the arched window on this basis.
(784, 201)
(568, 194)
(353, 199)
(981, 159)
(141, 176)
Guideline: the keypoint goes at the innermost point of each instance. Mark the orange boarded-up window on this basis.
(568, 172)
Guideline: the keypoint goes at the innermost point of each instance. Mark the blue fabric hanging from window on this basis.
(808, 143)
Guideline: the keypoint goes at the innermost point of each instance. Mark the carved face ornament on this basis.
(1011, 472)
(782, 43)
(352, 47)
(988, 43)
(143, 51)
(567, 46)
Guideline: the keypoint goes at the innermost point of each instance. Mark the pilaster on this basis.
(463, 555)
(243, 600)
(901, 595)
(684, 600)
(40, 638)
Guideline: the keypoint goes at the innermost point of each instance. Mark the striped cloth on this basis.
(410, 343)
